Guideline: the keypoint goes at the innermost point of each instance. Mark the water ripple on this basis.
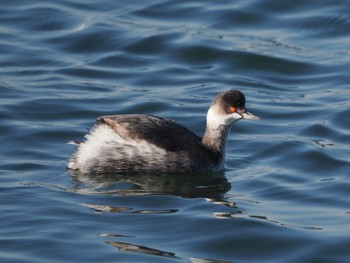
(283, 195)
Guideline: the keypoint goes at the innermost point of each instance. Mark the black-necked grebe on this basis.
(144, 143)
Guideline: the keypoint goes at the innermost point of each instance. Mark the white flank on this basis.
(97, 138)
(101, 139)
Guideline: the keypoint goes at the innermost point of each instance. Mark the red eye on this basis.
(232, 109)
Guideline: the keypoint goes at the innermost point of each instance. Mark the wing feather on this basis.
(162, 132)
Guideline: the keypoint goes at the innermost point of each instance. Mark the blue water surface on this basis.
(284, 196)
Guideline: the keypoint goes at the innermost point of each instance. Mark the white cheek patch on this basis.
(215, 119)
(236, 116)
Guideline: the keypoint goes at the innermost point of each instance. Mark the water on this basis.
(284, 196)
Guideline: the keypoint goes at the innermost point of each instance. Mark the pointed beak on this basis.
(247, 115)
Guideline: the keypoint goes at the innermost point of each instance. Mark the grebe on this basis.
(134, 143)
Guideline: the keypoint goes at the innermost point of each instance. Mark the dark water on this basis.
(284, 196)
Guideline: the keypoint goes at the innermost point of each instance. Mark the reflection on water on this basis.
(239, 214)
(116, 209)
(211, 185)
(129, 247)
(121, 246)
(198, 260)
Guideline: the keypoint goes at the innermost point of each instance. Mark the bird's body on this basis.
(144, 143)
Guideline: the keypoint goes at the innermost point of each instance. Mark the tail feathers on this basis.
(72, 165)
